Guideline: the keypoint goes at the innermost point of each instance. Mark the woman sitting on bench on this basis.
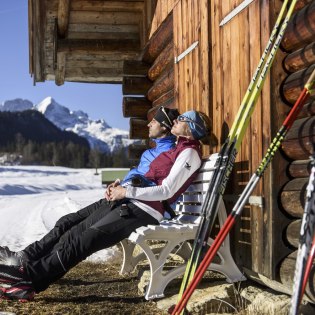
(110, 220)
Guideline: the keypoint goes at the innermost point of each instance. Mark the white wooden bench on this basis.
(175, 235)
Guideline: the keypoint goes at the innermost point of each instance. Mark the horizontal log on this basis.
(293, 196)
(300, 59)
(105, 35)
(108, 64)
(101, 56)
(84, 79)
(294, 84)
(293, 233)
(136, 85)
(300, 168)
(88, 45)
(164, 61)
(300, 4)
(136, 107)
(307, 110)
(170, 103)
(163, 84)
(286, 274)
(138, 128)
(101, 5)
(298, 149)
(95, 73)
(159, 40)
(151, 113)
(164, 98)
(103, 28)
(301, 29)
(297, 144)
(99, 17)
(303, 127)
(135, 68)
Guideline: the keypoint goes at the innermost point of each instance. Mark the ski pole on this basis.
(308, 267)
(236, 211)
(230, 139)
(304, 260)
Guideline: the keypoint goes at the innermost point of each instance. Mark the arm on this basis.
(173, 182)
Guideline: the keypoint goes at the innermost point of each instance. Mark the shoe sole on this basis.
(10, 294)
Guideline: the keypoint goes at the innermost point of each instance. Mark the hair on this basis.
(209, 138)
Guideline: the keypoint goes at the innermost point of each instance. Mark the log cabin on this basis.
(174, 53)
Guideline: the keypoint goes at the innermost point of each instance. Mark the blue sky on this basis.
(98, 100)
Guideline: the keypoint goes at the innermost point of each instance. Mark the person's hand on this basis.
(117, 193)
(109, 188)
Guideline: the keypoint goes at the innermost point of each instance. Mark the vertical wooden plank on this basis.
(184, 61)
(204, 49)
(195, 55)
(266, 24)
(216, 73)
(176, 31)
(189, 56)
(226, 66)
(164, 9)
(254, 143)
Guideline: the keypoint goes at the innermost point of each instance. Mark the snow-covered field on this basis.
(33, 198)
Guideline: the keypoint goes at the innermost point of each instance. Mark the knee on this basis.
(66, 221)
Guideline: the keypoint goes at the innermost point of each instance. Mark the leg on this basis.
(42, 247)
(96, 232)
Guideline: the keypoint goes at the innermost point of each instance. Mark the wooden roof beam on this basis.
(63, 17)
(100, 45)
(60, 69)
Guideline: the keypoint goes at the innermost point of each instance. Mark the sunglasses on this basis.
(186, 119)
(164, 112)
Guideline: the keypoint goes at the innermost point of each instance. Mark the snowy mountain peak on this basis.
(99, 134)
(46, 103)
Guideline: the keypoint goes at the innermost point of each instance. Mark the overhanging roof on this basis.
(84, 40)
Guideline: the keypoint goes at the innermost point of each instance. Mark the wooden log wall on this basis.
(299, 62)
(152, 87)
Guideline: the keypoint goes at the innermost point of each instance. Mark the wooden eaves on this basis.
(84, 40)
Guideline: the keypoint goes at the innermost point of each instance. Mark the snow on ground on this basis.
(33, 198)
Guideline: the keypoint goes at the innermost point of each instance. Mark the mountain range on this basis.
(98, 133)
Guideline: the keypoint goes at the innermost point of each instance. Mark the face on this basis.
(155, 129)
(181, 128)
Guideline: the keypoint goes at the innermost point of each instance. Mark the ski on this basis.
(231, 146)
(236, 11)
(305, 253)
(237, 209)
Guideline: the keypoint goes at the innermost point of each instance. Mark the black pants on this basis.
(77, 236)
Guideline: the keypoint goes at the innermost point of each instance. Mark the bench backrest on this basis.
(189, 205)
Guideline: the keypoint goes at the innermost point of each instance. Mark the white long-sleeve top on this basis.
(186, 164)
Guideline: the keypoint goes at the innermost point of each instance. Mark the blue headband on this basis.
(196, 124)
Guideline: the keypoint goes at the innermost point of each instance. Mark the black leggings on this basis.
(77, 236)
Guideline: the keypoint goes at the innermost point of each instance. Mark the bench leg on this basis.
(129, 261)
